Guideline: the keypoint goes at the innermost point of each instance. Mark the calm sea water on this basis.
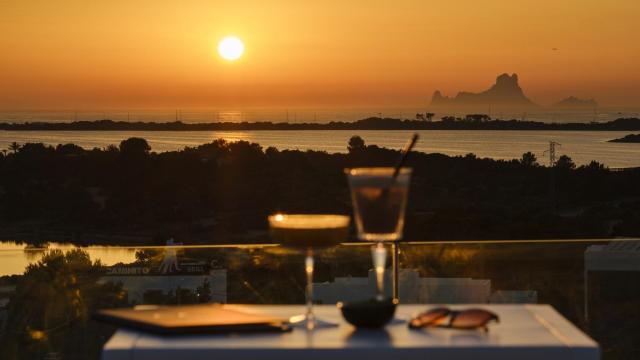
(197, 115)
(581, 146)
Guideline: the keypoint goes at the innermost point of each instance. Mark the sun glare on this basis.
(230, 48)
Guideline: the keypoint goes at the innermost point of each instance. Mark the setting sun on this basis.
(230, 48)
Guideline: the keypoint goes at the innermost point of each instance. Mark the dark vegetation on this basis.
(422, 122)
(631, 138)
(222, 192)
(48, 311)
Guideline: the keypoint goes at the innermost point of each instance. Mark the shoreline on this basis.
(629, 139)
(447, 123)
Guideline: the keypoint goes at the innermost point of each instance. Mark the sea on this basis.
(581, 146)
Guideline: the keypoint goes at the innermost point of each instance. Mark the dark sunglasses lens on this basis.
(473, 318)
(429, 317)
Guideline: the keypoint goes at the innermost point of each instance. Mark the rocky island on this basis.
(573, 103)
(506, 93)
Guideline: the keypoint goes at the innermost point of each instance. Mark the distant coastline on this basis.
(469, 122)
(631, 138)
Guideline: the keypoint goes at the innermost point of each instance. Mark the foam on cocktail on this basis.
(309, 230)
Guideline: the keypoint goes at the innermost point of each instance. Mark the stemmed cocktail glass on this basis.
(379, 197)
(307, 232)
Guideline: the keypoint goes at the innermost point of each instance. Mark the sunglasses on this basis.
(463, 319)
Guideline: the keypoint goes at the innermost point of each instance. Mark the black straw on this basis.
(404, 154)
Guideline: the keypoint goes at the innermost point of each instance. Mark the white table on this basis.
(525, 332)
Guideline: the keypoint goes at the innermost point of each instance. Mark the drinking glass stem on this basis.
(379, 260)
(394, 269)
(308, 265)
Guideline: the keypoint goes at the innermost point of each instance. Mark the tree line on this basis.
(223, 191)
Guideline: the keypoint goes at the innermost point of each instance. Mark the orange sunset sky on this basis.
(139, 53)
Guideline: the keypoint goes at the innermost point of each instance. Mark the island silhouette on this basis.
(574, 103)
(504, 94)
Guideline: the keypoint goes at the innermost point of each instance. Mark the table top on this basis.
(524, 332)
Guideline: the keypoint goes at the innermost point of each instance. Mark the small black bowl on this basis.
(368, 313)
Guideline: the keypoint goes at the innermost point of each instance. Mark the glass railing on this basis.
(48, 293)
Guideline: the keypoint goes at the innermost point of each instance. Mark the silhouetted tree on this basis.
(477, 118)
(429, 116)
(356, 143)
(594, 166)
(111, 148)
(14, 146)
(134, 147)
(565, 162)
(529, 159)
(69, 149)
(271, 151)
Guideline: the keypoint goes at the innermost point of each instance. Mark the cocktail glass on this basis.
(309, 232)
(379, 203)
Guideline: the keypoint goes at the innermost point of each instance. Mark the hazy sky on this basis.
(140, 53)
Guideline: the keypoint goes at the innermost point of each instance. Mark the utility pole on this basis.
(552, 152)
(552, 174)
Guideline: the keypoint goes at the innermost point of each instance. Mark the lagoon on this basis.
(581, 146)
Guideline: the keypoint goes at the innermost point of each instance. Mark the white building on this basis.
(171, 275)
